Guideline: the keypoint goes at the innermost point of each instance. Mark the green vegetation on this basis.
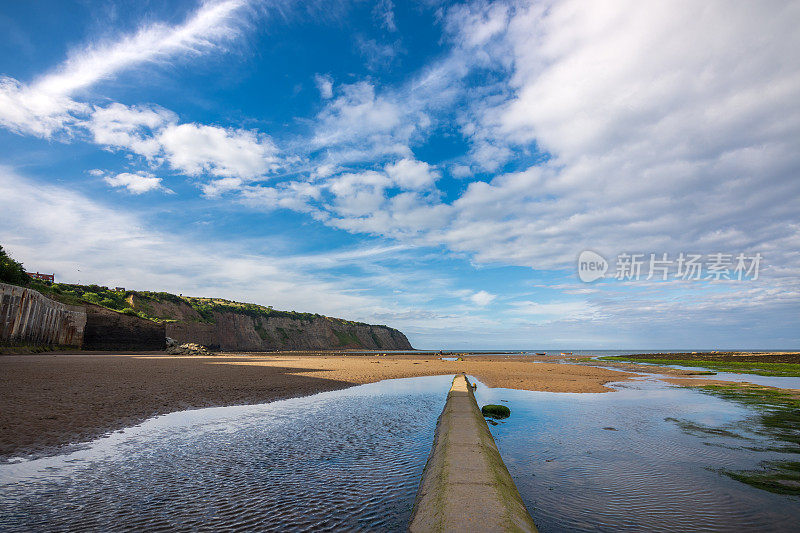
(346, 338)
(206, 307)
(760, 368)
(777, 420)
(495, 411)
(375, 339)
(12, 271)
(141, 304)
(120, 301)
(781, 477)
(24, 348)
(262, 331)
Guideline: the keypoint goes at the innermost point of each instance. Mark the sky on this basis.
(436, 167)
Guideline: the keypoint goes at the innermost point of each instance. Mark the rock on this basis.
(495, 411)
(190, 348)
(171, 342)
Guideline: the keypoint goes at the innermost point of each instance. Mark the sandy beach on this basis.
(54, 399)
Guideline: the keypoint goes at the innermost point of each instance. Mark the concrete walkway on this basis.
(466, 486)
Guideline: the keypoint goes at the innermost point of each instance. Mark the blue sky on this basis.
(437, 167)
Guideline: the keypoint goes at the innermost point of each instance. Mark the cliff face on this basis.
(109, 330)
(236, 327)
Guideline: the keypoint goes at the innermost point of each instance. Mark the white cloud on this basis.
(663, 136)
(325, 85)
(376, 55)
(83, 240)
(475, 24)
(384, 12)
(211, 25)
(460, 171)
(35, 113)
(482, 298)
(358, 114)
(138, 183)
(658, 119)
(560, 310)
(196, 149)
(295, 195)
(45, 107)
(358, 194)
(412, 174)
(130, 127)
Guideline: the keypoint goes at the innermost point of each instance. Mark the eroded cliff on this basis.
(232, 326)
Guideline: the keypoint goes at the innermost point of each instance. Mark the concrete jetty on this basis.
(466, 486)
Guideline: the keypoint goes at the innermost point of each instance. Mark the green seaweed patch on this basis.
(495, 411)
(780, 477)
(778, 419)
(759, 368)
(693, 428)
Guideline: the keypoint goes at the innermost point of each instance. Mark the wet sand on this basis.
(51, 400)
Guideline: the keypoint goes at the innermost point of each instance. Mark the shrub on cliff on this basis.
(12, 271)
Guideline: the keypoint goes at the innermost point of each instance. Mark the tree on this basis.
(12, 271)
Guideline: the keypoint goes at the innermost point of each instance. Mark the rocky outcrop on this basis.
(110, 330)
(233, 328)
(190, 348)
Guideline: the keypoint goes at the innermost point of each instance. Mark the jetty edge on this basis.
(465, 485)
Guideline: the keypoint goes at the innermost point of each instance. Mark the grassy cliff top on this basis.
(136, 303)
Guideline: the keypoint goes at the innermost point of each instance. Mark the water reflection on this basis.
(619, 461)
(344, 460)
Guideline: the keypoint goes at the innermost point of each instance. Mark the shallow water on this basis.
(783, 382)
(621, 462)
(343, 460)
(353, 459)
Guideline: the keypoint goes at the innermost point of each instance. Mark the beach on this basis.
(55, 399)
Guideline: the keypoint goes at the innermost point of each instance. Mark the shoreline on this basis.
(54, 400)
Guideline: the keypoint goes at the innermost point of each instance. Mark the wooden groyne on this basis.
(466, 486)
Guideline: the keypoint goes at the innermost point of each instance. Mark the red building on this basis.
(43, 277)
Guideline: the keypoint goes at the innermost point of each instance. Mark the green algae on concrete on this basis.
(466, 486)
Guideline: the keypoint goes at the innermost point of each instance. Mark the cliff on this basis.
(140, 320)
(225, 325)
(110, 330)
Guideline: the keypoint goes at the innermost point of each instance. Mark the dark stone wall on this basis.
(109, 330)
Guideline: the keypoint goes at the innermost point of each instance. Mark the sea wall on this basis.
(465, 485)
(28, 317)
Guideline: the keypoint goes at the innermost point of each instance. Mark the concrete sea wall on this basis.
(466, 486)
(26, 316)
